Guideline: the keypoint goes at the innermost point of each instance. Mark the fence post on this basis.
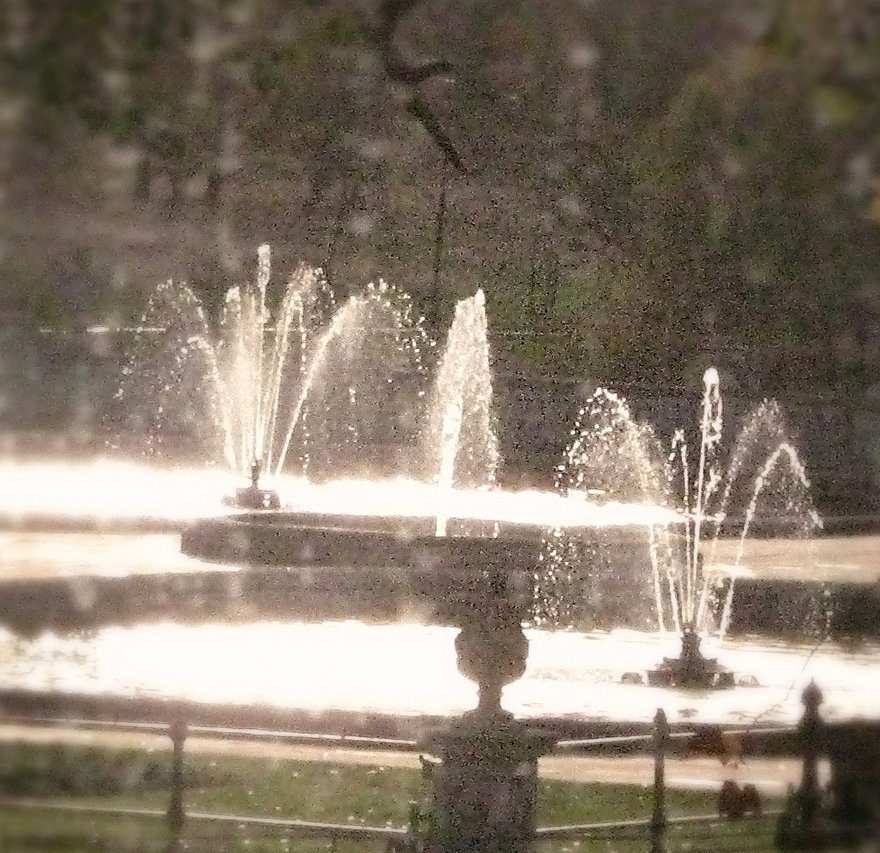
(177, 732)
(798, 827)
(658, 815)
(811, 739)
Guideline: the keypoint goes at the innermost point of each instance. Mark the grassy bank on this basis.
(79, 777)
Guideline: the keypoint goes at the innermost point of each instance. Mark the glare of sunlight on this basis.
(409, 669)
(116, 490)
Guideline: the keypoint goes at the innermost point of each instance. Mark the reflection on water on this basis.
(30, 554)
(408, 669)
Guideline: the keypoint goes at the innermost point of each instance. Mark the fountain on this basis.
(324, 376)
(303, 381)
(691, 668)
(458, 558)
(393, 567)
(614, 456)
(485, 780)
(781, 470)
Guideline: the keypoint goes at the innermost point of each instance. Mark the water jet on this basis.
(289, 381)
(687, 590)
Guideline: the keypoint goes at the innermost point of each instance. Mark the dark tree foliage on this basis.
(640, 187)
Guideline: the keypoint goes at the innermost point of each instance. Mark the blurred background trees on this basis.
(640, 188)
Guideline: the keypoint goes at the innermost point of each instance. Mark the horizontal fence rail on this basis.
(612, 829)
(152, 716)
(218, 732)
(179, 721)
(289, 826)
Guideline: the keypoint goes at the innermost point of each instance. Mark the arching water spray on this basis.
(349, 315)
(268, 366)
(361, 390)
(610, 458)
(243, 372)
(783, 460)
(174, 360)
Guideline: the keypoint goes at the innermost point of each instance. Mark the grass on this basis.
(354, 795)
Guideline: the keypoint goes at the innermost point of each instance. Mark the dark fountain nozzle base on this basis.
(252, 496)
(255, 498)
(691, 669)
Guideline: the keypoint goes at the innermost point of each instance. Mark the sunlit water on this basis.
(411, 670)
(397, 669)
(122, 491)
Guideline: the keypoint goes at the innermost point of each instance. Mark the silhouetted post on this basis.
(811, 740)
(799, 826)
(176, 813)
(658, 816)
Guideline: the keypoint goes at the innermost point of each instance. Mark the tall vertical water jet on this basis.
(460, 442)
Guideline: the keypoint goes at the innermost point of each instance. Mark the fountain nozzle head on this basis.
(253, 497)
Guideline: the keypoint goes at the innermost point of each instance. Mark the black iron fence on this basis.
(845, 810)
(790, 828)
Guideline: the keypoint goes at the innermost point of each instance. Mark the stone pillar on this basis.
(485, 784)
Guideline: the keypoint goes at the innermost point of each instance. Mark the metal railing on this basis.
(653, 829)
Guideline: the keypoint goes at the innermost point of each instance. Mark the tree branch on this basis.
(420, 110)
(406, 73)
